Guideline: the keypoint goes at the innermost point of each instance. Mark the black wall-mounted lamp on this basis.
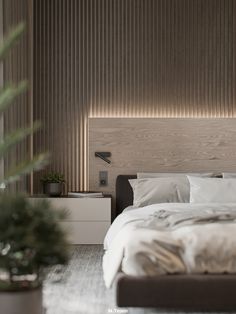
(103, 156)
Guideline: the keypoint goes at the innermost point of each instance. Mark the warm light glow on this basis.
(149, 110)
(205, 116)
(83, 153)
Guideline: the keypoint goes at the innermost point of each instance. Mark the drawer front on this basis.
(84, 209)
(86, 232)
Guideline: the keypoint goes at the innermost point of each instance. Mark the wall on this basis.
(1, 85)
(160, 145)
(127, 58)
(17, 67)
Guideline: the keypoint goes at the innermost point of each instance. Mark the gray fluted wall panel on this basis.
(127, 58)
(17, 67)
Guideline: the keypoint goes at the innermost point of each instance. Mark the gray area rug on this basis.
(79, 287)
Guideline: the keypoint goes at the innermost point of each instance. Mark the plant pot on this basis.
(53, 189)
(21, 302)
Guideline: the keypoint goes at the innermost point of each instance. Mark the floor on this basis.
(79, 288)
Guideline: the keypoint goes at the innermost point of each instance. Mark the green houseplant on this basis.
(53, 183)
(30, 236)
(31, 239)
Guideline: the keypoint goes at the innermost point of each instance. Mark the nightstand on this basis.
(88, 218)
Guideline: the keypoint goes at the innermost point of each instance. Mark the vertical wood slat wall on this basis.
(1, 85)
(127, 58)
(17, 67)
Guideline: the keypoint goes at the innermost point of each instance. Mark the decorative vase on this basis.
(53, 189)
(21, 302)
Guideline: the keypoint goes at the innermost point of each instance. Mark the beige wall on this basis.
(127, 58)
(160, 145)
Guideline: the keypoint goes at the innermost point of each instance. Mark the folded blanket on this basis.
(169, 220)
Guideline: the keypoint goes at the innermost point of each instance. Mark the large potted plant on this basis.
(53, 183)
(31, 238)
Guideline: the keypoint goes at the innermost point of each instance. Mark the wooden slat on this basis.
(1, 85)
(17, 67)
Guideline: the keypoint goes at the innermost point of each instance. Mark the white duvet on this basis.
(171, 238)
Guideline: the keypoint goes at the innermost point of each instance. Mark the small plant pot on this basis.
(22, 302)
(53, 189)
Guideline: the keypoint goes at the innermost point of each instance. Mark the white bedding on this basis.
(135, 248)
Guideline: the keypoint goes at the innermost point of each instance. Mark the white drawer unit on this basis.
(88, 219)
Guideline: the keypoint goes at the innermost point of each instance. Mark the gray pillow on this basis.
(149, 191)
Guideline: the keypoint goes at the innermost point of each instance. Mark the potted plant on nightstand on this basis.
(53, 183)
(31, 238)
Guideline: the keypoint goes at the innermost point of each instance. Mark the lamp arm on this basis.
(101, 155)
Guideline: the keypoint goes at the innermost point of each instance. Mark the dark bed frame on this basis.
(173, 292)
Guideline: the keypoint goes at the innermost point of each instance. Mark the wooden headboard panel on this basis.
(160, 144)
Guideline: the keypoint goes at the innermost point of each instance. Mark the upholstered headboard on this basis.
(124, 193)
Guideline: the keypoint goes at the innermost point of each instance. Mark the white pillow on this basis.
(160, 190)
(141, 175)
(212, 190)
(229, 175)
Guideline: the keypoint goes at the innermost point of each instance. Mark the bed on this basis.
(178, 291)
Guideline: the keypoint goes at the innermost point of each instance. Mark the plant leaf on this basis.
(27, 166)
(9, 93)
(11, 39)
(13, 138)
